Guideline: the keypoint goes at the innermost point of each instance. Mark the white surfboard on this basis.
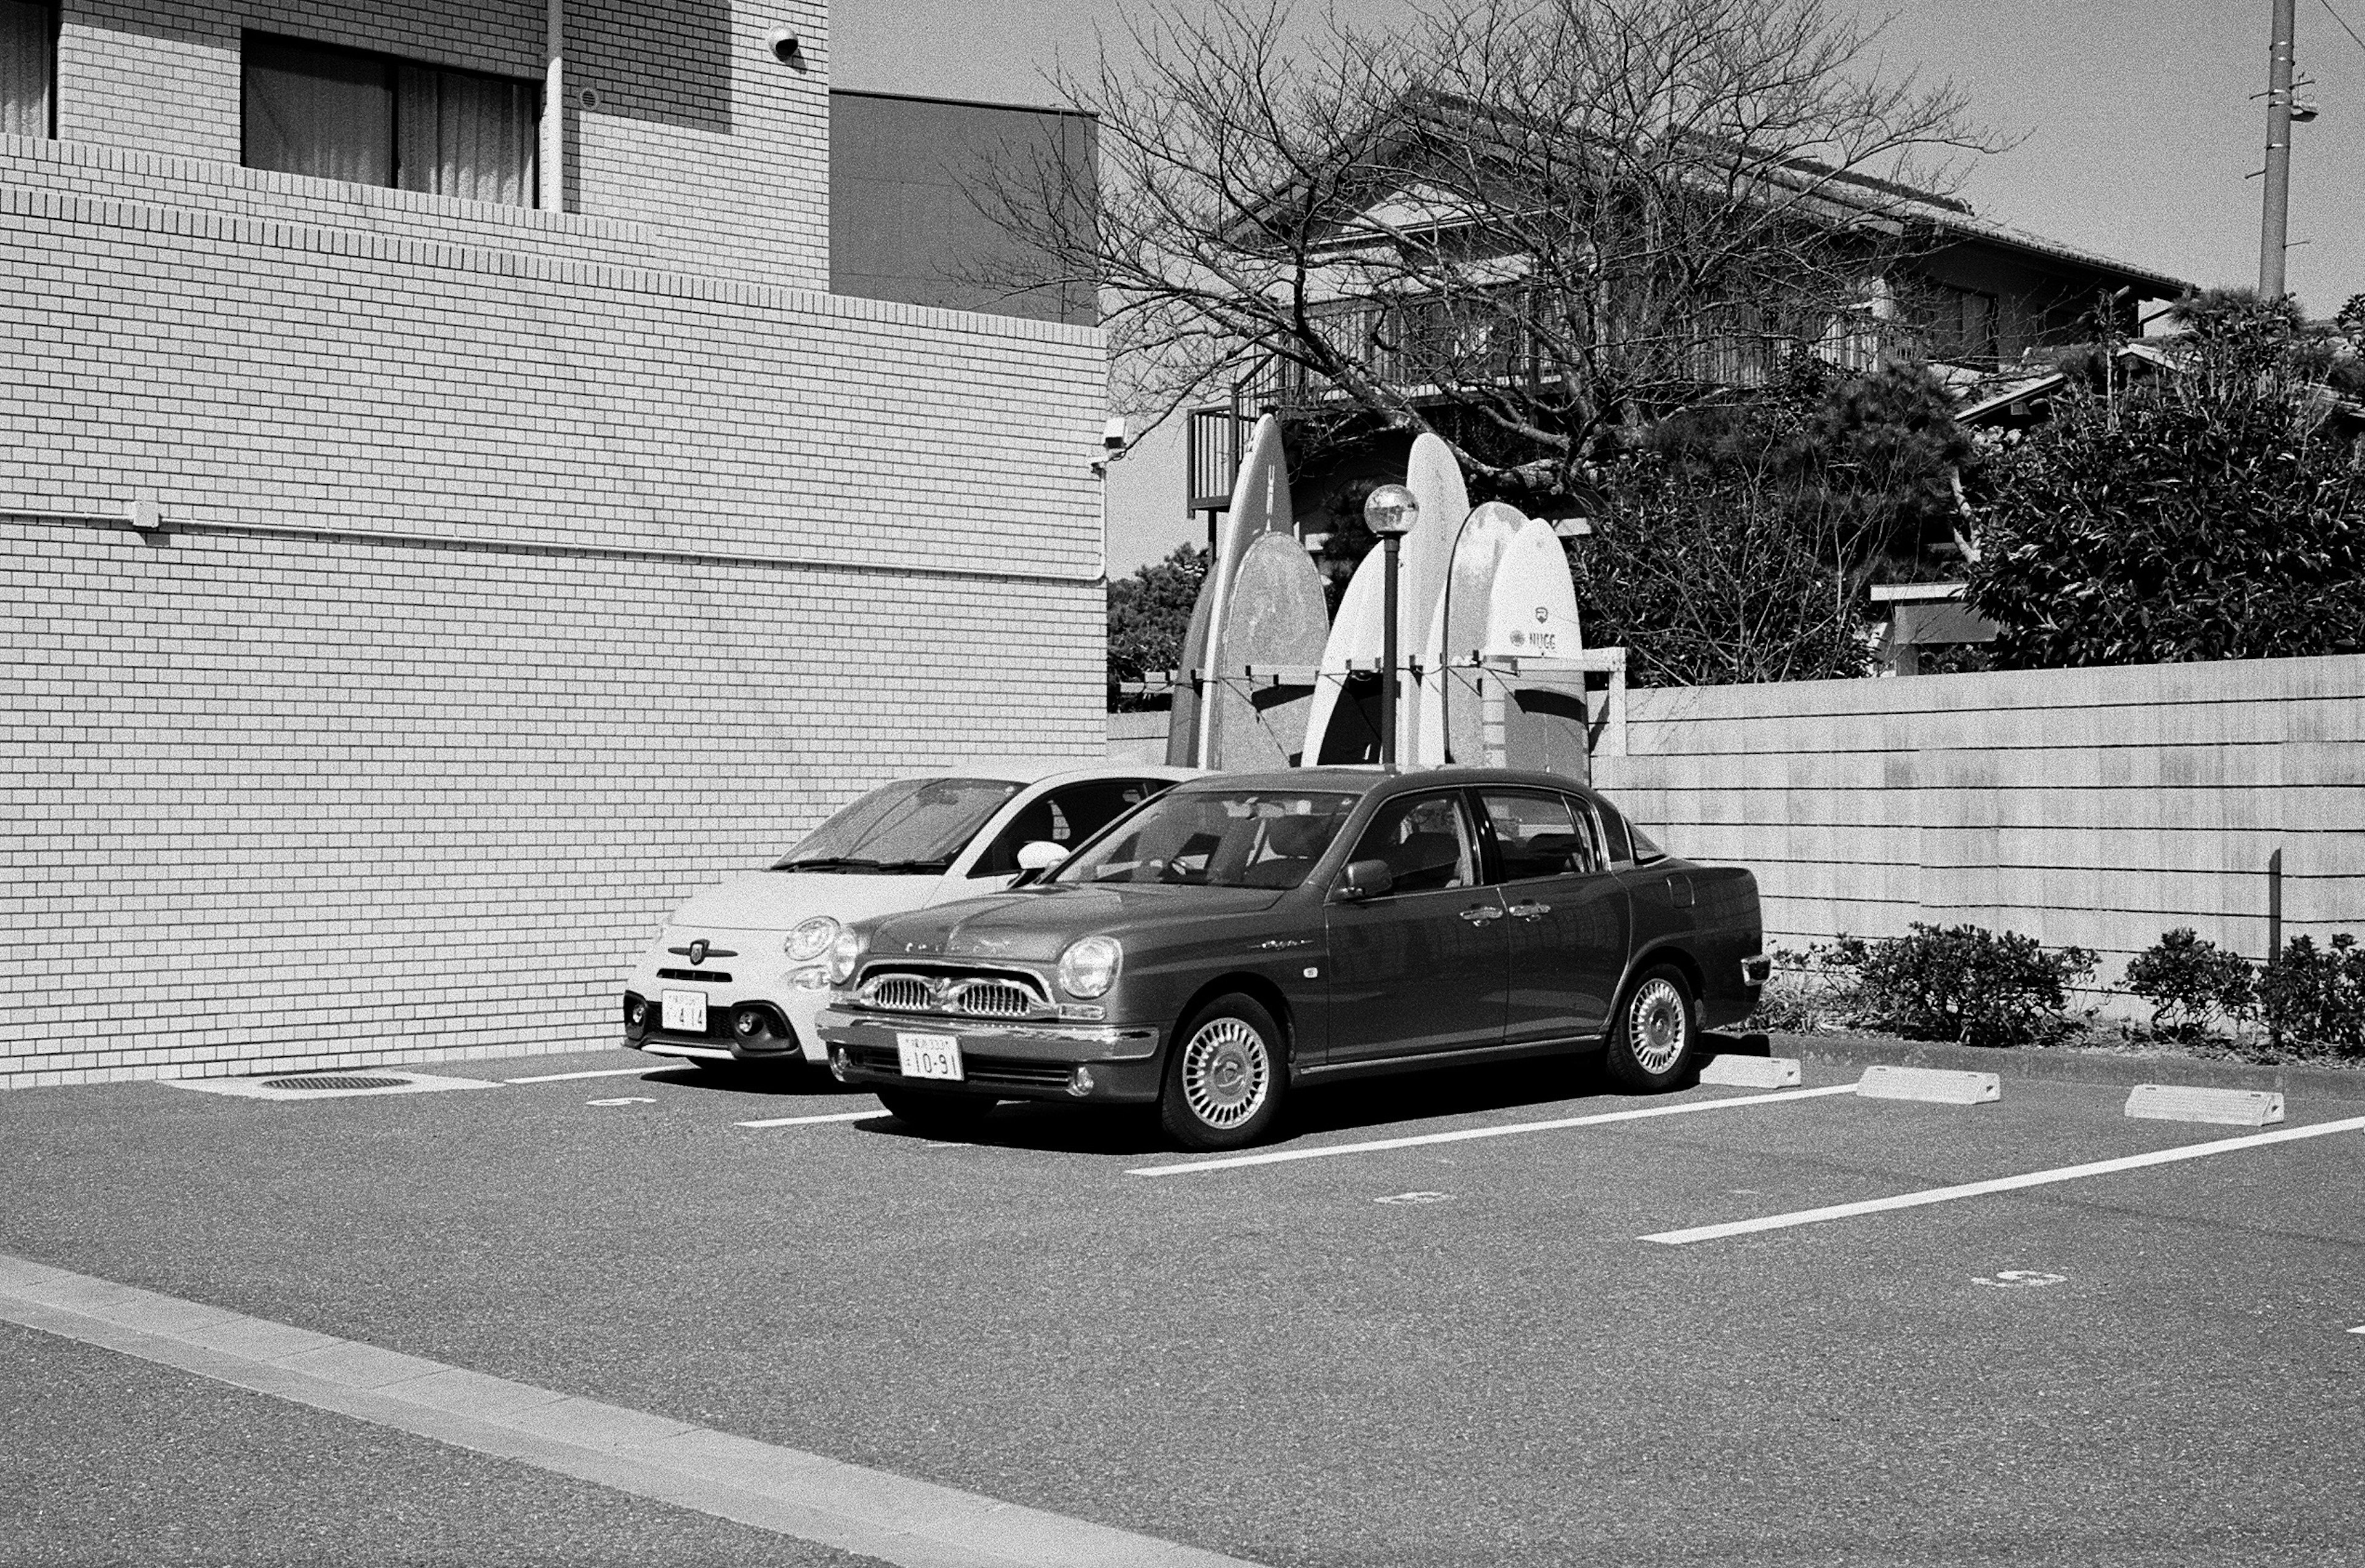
(1435, 480)
(1532, 614)
(1338, 728)
(1531, 609)
(1259, 506)
(1452, 720)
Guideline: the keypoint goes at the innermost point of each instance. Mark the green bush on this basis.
(1965, 983)
(2315, 998)
(2188, 981)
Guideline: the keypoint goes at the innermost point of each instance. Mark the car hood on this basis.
(1036, 924)
(776, 901)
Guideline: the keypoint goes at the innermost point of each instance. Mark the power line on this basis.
(2345, 28)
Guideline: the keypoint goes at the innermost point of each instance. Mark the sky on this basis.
(2136, 122)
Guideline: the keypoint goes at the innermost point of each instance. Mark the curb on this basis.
(2060, 1066)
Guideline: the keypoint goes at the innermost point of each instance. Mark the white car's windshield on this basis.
(914, 826)
(1221, 838)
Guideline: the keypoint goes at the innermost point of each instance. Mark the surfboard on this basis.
(1343, 720)
(1532, 614)
(1453, 724)
(1259, 506)
(1273, 616)
(1435, 480)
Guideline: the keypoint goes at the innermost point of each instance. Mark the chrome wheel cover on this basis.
(1226, 1074)
(1658, 1026)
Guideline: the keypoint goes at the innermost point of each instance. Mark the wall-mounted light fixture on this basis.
(785, 48)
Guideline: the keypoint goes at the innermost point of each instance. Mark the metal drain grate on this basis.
(333, 1081)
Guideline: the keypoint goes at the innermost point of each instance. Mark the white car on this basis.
(740, 969)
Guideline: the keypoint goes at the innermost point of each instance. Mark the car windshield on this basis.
(1217, 838)
(916, 825)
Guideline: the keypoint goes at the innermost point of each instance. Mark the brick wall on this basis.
(523, 570)
(718, 151)
(2100, 807)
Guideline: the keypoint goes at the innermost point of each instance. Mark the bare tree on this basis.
(1522, 224)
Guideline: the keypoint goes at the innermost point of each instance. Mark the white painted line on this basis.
(1933, 1086)
(809, 1121)
(790, 1492)
(570, 1077)
(2359, 1329)
(2002, 1184)
(1751, 1072)
(1376, 1146)
(2227, 1107)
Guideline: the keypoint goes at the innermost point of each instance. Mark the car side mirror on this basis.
(1037, 857)
(1363, 880)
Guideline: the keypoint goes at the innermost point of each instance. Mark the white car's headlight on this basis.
(1088, 965)
(845, 954)
(811, 939)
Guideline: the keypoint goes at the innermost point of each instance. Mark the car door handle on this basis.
(1530, 910)
(1479, 914)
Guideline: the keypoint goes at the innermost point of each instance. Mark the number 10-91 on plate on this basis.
(929, 1055)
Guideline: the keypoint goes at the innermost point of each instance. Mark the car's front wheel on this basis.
(1657, 1033)
(933, 1111)
(1226, 1076)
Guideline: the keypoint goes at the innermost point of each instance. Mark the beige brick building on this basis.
(540, 538)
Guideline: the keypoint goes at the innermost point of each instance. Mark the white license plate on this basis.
(685, 1011)
(929, 1055)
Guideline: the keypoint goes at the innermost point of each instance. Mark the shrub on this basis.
(2188, 980)
(1806, 990)
(2315, 998)
(1965, 983)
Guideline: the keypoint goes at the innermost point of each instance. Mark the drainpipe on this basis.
(553, 110)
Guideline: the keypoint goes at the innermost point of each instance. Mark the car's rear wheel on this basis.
(1226, 1076)
(1656, 1033)
(933, 1111)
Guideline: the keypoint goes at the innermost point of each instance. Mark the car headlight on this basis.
(811, 939)
(845, 953)
(1088, 965)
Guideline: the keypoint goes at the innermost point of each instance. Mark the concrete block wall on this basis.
(523, 571)
(2100, 807)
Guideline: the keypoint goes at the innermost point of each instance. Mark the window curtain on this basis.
(323, 112)
(475, 138)
(27, 59)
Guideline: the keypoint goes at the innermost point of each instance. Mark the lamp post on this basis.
(1390, 513)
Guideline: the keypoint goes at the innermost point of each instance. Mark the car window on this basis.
(1541, 835)
(1229, 838)
(1426, 841)
(912, 825)
(1066, 816)
(1627, 842)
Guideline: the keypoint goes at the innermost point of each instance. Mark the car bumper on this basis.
(1006, 1061)
(789, 1035)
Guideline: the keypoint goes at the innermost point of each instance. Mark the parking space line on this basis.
(809, 1121)
(1463, 1135)
(569, 1077)
(790, 1492)
(2000, 1183)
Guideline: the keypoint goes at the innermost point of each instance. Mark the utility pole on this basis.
(2275, 229)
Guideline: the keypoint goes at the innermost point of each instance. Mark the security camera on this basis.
(1113, 435)
(782, 43)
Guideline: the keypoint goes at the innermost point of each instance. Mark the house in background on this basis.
(451, 512)
(1974, 299)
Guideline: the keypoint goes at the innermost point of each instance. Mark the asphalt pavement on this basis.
(1444, 1352)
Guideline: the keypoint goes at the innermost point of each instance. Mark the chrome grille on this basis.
(903, 993)
(995, 999)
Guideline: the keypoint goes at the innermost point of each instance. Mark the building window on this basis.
(340, 114)
(28, 68)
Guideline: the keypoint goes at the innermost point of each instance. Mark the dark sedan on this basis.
(1244, 935)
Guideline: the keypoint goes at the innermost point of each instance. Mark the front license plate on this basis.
(929, 1055)
(685, 1011)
